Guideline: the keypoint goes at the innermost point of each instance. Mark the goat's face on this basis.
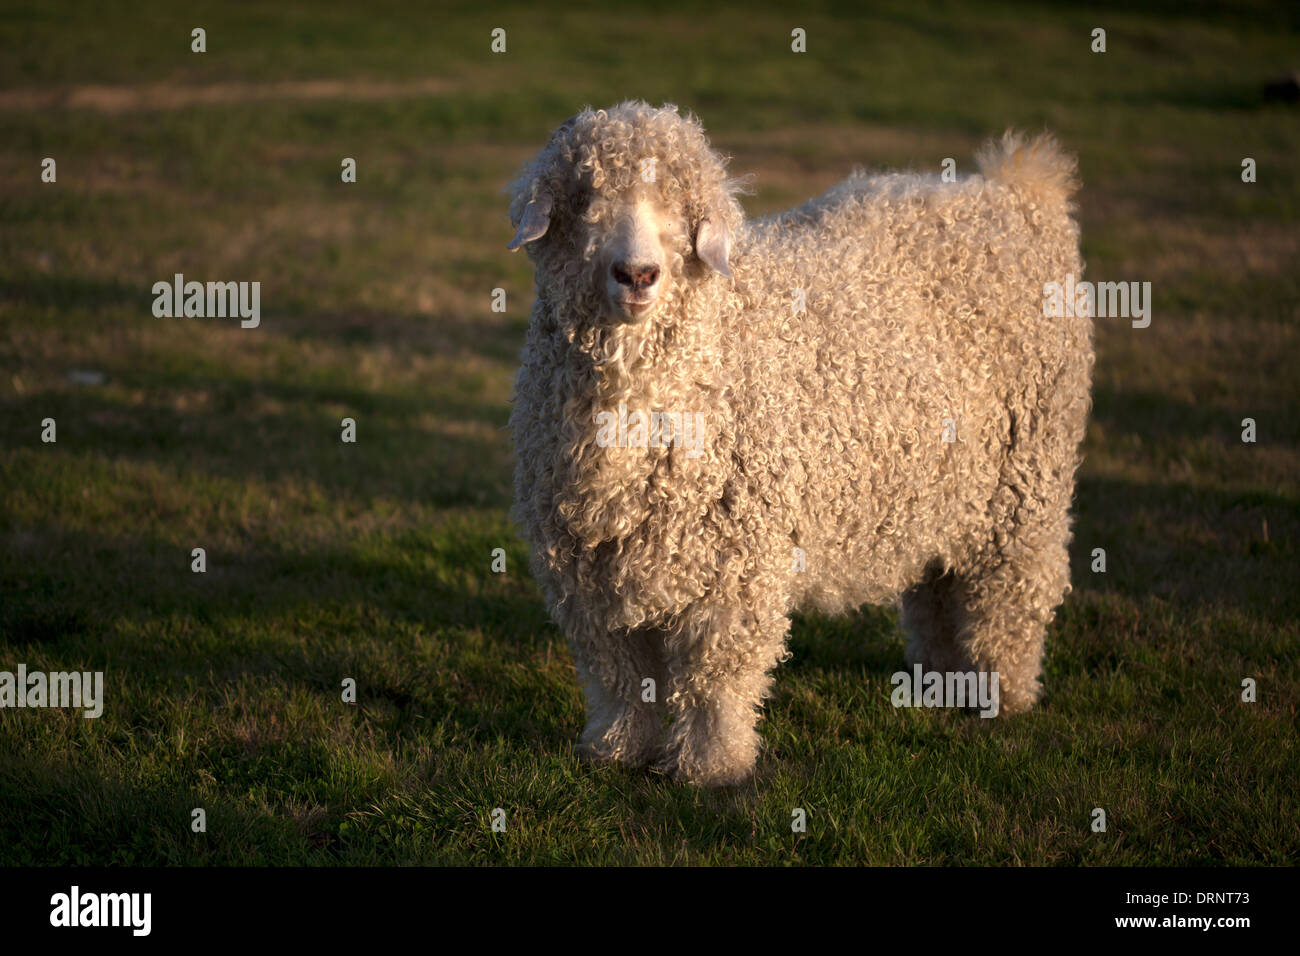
(636, 253)
(630, 204)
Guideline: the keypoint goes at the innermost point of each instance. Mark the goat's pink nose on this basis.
(636, 278)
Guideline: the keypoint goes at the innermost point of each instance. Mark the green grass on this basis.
(371, 560)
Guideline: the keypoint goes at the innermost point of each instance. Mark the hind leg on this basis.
(1007, 608)
(992, 615)
(932, 618)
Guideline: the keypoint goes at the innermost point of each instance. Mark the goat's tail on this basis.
(1038, 166)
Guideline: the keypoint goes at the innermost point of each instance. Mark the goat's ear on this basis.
(534, 222)
(713, 244)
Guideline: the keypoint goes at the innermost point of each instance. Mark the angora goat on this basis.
(880, 410)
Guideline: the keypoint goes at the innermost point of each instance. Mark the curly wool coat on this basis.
(887, 415)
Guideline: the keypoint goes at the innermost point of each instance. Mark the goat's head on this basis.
(626, 206)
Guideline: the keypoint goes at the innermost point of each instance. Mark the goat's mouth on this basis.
(634, 308)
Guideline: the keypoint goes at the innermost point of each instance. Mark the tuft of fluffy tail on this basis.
(1038, 166)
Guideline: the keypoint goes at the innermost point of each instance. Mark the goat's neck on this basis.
(657, 362)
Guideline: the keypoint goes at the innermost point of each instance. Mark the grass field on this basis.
(371, 560)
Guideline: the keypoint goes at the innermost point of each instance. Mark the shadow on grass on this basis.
(497, 337)
(407, 447)
(1154, 416)
(867, 641)
(64, 582)
(142, 825)
(1200, 549)
(66, 292)
(1210, 97)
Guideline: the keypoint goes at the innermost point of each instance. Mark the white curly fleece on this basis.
(824, 429)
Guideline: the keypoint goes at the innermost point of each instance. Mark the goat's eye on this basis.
(582, 202)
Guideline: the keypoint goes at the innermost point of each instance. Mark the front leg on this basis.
(622, 725)
(720, 665)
